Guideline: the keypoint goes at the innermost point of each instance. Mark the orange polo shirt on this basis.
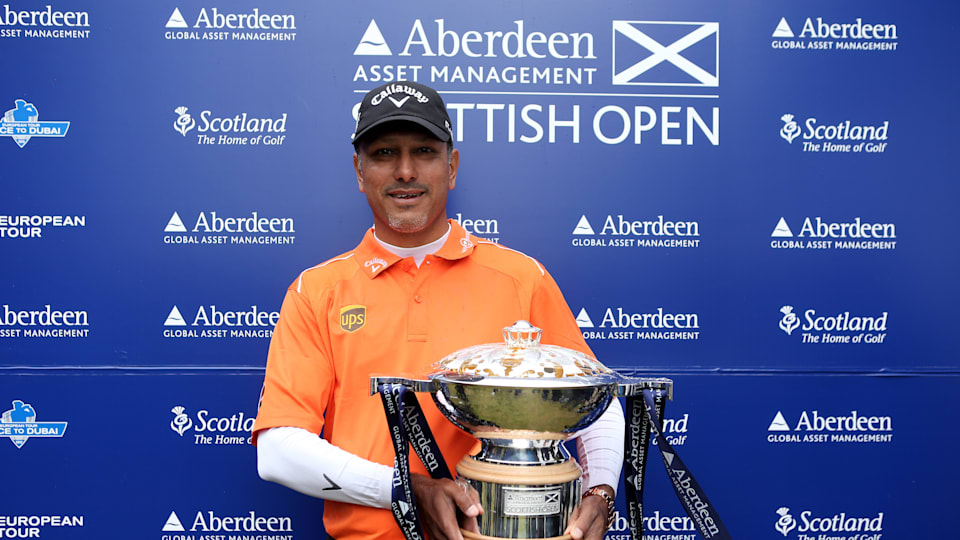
(369, 312)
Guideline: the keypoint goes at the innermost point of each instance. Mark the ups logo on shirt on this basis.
(352, 318)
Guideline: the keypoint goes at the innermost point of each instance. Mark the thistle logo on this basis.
(176, 20)
(353, 317)
(20, 423)
(790, 129)
(782, 230)
(786, 522)
(22, 123)
(790, 321)
(372, 43)
(783, 29)
(180, 423)
(184, 122)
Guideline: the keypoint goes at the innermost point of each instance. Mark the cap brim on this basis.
(434, 129)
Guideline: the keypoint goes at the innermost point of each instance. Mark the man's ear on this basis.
(357, 169)
(454, 165)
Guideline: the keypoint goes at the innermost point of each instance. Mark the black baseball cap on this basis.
(407, 102)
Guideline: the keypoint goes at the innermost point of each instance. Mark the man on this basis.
(417, 288)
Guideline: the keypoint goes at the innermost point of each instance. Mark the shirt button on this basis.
(418, 299)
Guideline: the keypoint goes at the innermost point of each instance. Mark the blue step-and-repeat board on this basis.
(755, 199)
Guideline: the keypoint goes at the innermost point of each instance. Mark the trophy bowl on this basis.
(521, 400)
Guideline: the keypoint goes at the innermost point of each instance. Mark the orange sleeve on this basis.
(300, 377)
(549, 312)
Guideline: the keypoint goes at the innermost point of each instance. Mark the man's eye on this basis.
(426, 150)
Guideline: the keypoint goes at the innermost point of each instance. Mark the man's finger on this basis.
(468, 501)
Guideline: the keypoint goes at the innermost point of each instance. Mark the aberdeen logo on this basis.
(214, 228)
(20, 423)
(790, 321)
(818, 233)
(619, 324)
(783, 29)
(22, 123)
(670, 64)
(216, 25)
(47, 23)
(816, 427)
(372, 42)
(786, 522)
(176, 20)
(209, 521)
(184, 122)
(353, 317)
(782, 230)
(790, 129)
(213, 322)
(618, 231)
(181, 422)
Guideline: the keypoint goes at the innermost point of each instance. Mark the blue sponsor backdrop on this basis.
(754, 199)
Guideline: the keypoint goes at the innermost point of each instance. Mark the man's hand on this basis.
(589, 520)
(439, 501)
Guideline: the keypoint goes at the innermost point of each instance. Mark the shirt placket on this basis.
(417, 329)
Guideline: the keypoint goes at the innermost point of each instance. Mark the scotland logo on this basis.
(181, 422)
(786, 523)
(21, 124)
(184, 121)
(790, 321)
(790, 129)
(19, 423)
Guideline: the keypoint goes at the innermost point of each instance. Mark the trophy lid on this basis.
(522, 356)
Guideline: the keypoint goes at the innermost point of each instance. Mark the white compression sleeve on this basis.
(600, 448)
(304, 462)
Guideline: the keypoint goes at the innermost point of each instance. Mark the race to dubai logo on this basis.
(20, 423)
(786, 523)
(184, 122)
(22, 123)
(790, 321)
(790, 129)
(181, 422)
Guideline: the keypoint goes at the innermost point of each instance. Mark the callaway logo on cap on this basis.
(404, 101)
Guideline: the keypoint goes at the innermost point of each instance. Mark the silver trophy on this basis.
(522, 399)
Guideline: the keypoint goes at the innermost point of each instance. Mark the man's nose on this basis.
(406, 170)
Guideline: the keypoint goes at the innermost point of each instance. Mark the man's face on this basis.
(406, 173)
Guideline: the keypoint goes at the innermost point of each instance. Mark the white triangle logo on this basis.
(583, 226)
(779, 423)
(783, 29)
(175, 224)
(583, 320)
(668, 457)
(173, 523)
(372, 42)
(404, 507)
(782, 230)
(175, 318)
(176, 21)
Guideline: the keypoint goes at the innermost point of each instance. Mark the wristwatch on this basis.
(596, 490)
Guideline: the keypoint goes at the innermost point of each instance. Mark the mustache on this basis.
(404, 186)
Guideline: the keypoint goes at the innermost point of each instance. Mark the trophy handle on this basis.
(417, 385)
(634, 386)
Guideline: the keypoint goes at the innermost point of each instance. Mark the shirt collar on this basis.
(373, 258)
